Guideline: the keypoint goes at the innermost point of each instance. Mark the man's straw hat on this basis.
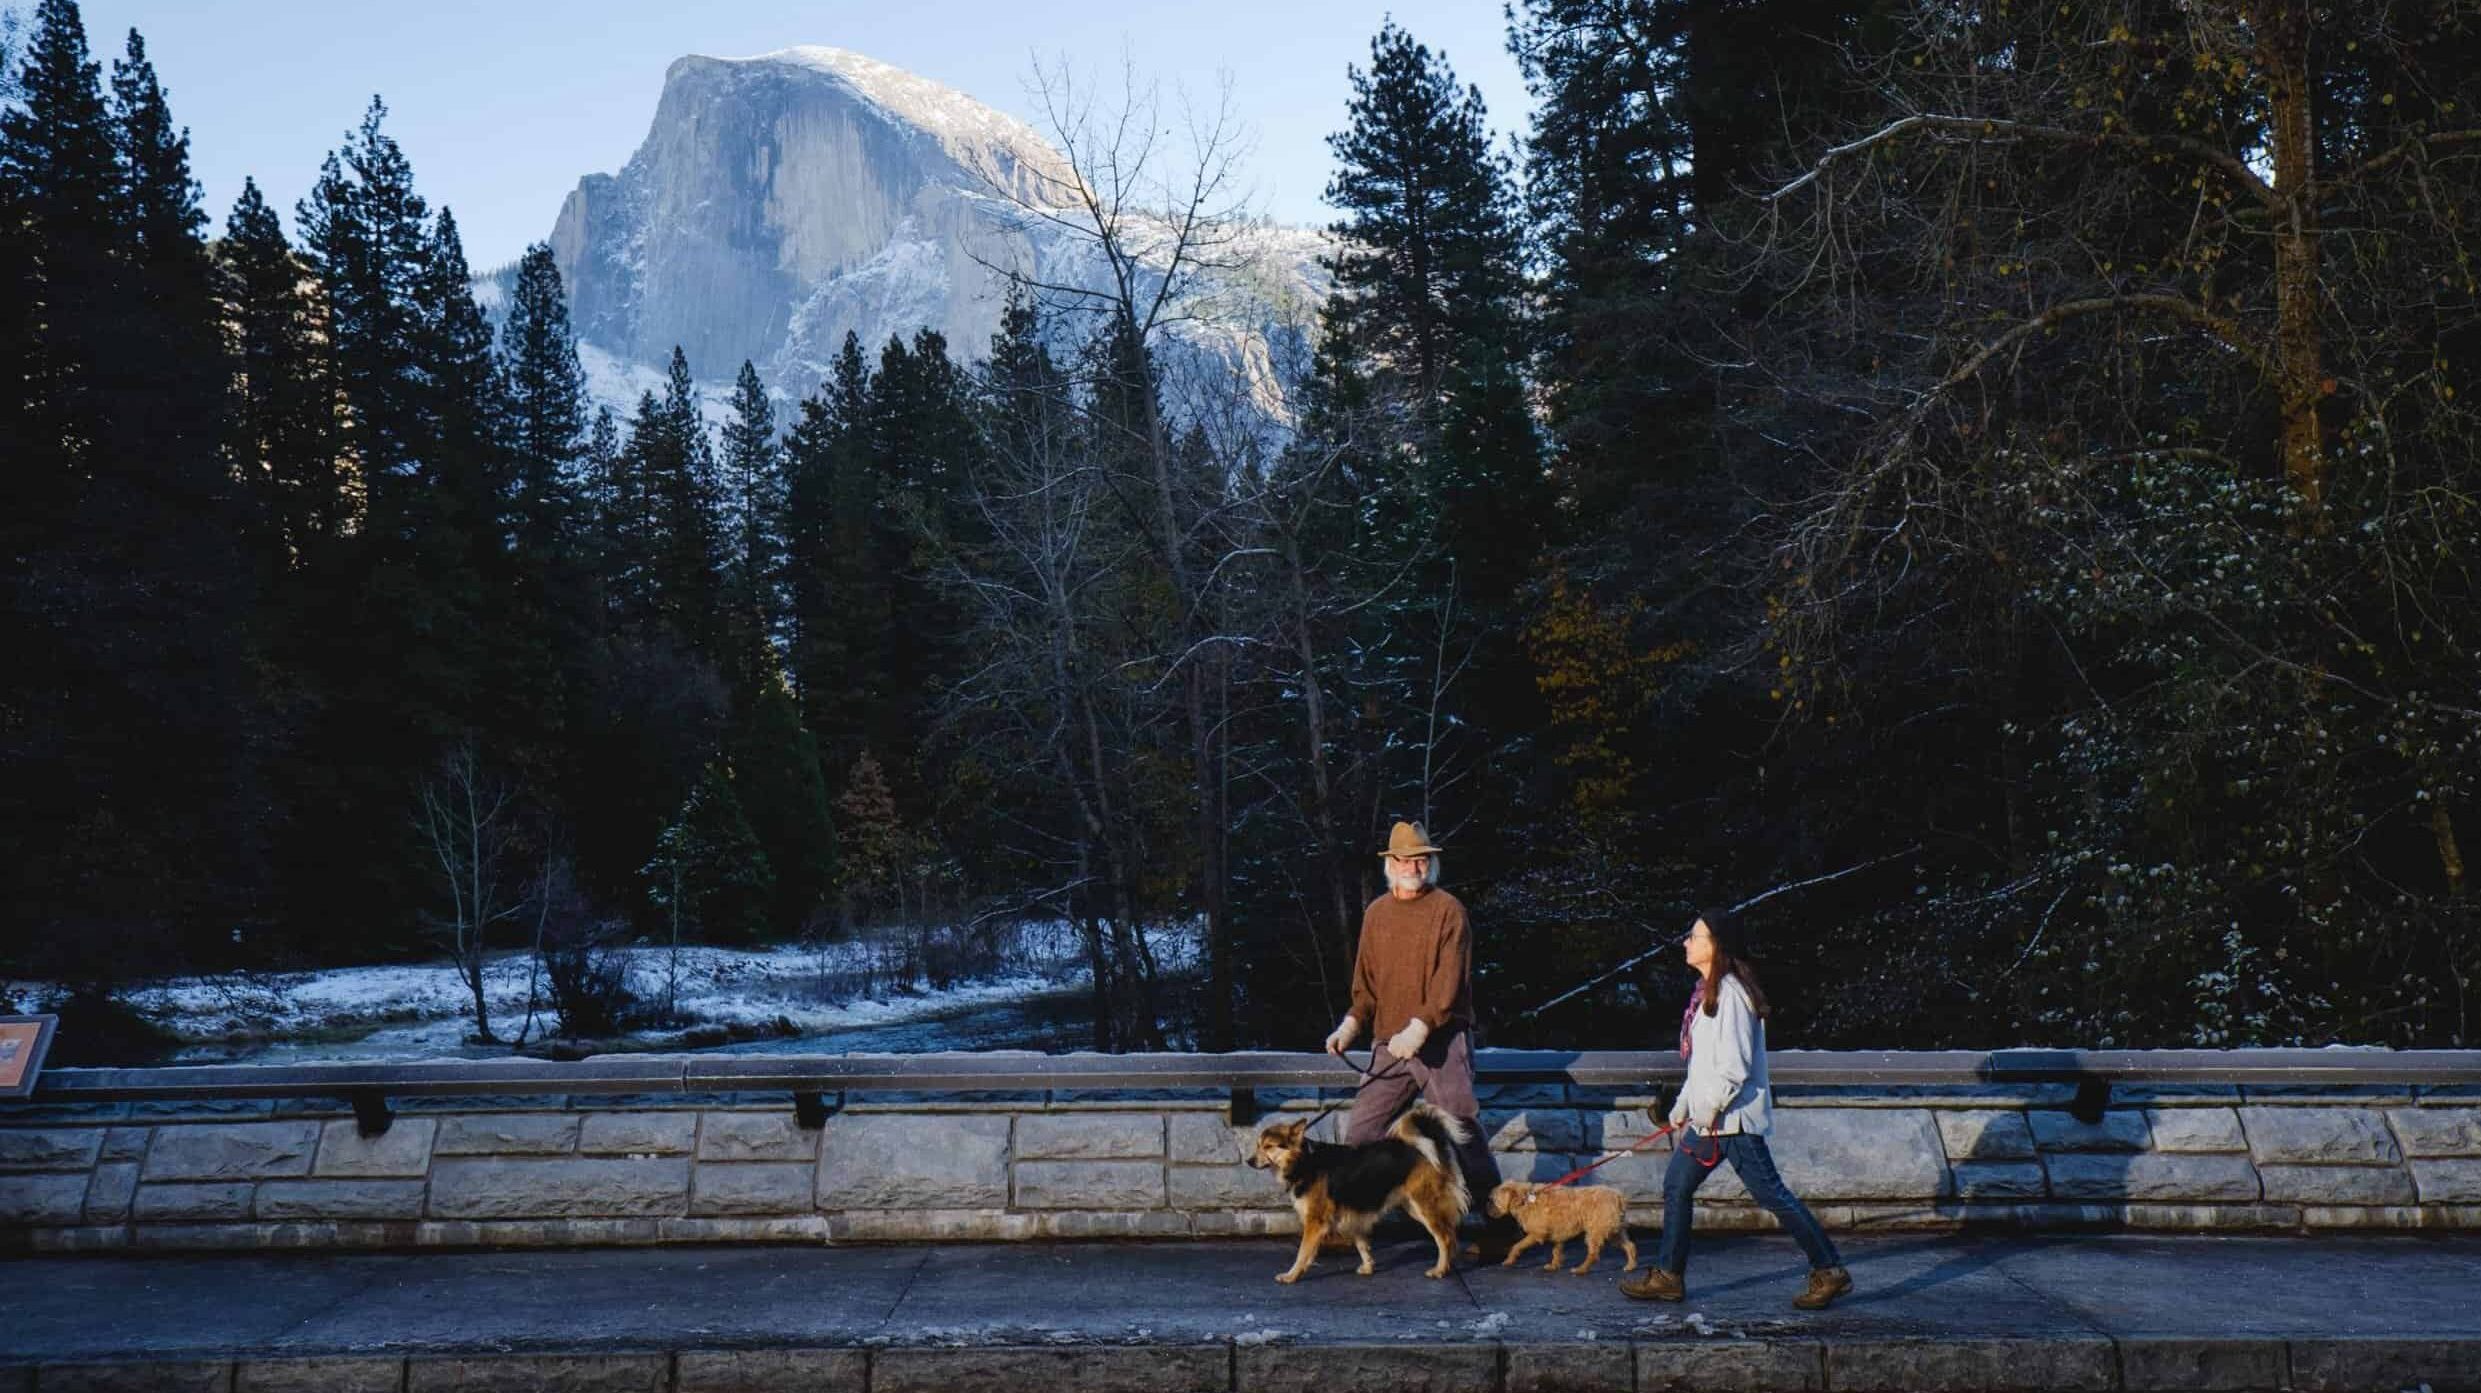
(1409, 840)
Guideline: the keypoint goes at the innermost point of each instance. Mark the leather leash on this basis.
(1369, 1076)
(1709, 1162)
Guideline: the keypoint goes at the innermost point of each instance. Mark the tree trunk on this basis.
(1098, 964)
(1331, 851)
(482, 1008)
(2450, 855)
(1201, 735)
(2283, 50)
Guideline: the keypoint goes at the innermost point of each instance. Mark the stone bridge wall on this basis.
(484, 1172)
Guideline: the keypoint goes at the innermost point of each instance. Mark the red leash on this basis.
(1709, 1162)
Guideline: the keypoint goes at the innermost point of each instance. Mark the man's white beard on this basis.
(1406, 882)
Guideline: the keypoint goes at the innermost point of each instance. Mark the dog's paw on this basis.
(1287, 1278)
(1435, 1272)
(1364, 1270)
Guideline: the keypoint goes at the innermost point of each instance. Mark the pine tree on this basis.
(410, 658)
(128, 818)
(284, 424)
(547, 435)
(365, 235)
(751, 470)
(182, 372)
(880, 848)
(841, 597)
(708, 875)
(630, 524)
(681, 477)
(1428, 289)
(783, 791)
(59, 165)
(554, 614)
(662, 528)
(598, 484)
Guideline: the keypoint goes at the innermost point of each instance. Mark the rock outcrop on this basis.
(782, 200)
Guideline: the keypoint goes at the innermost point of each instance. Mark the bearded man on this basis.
(1412, 983)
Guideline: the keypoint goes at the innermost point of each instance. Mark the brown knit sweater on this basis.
(1416, 959)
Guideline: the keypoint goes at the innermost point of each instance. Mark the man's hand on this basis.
(1346, 1031)
(1408, 1041)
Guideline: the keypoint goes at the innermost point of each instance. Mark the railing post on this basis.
(810, 1110)
(371, 1114)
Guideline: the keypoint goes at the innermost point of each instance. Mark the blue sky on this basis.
(502, 106)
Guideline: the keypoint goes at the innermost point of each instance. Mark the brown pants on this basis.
(1443, 1075)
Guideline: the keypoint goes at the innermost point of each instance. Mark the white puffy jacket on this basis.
(1727, 1068)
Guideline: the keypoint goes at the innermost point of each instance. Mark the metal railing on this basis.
(810, 1079)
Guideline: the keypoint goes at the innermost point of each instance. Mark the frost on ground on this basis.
(795, 993)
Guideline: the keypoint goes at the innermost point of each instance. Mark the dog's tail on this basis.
(1436, 1135)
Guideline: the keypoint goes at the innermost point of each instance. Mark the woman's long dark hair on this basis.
(1731, 957)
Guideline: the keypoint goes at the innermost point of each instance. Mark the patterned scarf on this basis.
(1696, 999)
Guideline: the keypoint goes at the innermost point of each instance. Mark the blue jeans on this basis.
(1755, 1166)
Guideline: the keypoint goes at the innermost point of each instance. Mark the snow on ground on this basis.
(424, 1010)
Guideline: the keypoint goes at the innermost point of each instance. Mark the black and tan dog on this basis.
(1346, 1190)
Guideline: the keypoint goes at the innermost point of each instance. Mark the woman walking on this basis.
(1725, 1110)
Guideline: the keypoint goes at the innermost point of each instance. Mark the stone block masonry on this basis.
(585, 1171)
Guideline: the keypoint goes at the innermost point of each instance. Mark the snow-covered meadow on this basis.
(866, 994)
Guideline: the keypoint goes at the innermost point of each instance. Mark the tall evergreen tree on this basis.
(284, 422)
(467, 484)
(61, 170)
(842, 597)
(547, 435)
(130, 815)
(599, 473)
(751, 479)
(628, 525)
(555, 617)
(680, 468)
(1427, 305)
(662, 526)
(182, 372)
(410, 660)
(365, 235)
(783, 792)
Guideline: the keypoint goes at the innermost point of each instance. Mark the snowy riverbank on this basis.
(866, 994)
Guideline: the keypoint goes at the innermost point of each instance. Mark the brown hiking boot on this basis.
(1825, 1284)
(1654, 1284)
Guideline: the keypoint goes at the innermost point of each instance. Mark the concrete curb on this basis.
(2081, 1364)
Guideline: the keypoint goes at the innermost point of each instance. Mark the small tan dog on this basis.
(1595, 1213)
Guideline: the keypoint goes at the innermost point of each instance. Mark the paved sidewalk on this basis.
(2027, 1312)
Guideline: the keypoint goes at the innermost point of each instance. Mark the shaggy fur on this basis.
(1595, 1213)
(1346, 1190)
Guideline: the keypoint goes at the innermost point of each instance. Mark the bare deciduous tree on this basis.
(468, 821)
(1163, 220)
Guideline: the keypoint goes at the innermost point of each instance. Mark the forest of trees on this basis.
(1995, 489)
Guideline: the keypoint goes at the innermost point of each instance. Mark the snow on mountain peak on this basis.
(971, 132)
(782, 201)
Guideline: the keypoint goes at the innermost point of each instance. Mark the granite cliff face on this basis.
(781, 200)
